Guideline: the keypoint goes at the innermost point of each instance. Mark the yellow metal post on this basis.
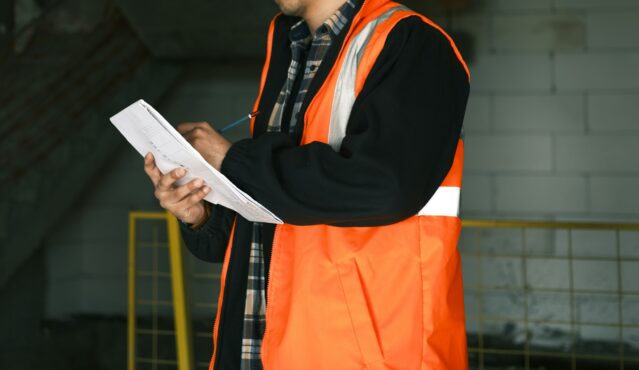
(131, 315)
(131, 300)
(183, 337)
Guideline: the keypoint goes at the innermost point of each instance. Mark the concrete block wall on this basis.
(552, 126)
(552, 132)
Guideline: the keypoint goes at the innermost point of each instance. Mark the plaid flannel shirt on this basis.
(308, 50)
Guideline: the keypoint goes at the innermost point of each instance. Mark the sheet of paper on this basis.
(147, 131)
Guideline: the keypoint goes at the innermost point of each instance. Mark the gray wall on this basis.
(552, 132)
(553, 121)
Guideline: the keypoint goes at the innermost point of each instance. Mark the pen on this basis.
(239, 121)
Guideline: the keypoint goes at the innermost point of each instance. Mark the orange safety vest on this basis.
(384, 297)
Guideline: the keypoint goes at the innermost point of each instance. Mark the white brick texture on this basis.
(614, 195)
(597, 70)
(520, 4)
(477, 193)
(613, 30)
(504, 72)
(539, 113)
(613, 112)
(478, 113)
(595, 275)
(630, 275)
(597, 153)
(540, 194)
(548, 273)
(496, 153)
(539, 31)
(597, 4)
(629, 242)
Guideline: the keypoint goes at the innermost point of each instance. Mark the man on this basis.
(357, 148)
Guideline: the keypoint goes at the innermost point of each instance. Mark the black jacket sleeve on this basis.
(209, 242)
(399, 145)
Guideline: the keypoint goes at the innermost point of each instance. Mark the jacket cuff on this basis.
(206, 228)
(234, 163)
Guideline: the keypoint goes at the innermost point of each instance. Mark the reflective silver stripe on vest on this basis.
(445, 202)
(344, 95)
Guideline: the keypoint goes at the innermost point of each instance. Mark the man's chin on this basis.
(290, 8)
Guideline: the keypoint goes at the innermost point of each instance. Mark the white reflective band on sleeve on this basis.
(445, 202)
(344, 95)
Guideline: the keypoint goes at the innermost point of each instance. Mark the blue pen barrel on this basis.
(238, 122)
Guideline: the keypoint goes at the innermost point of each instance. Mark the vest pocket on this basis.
(355, 295)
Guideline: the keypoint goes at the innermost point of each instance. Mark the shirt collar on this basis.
(300, 33)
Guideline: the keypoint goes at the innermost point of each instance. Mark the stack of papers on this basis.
(147, 131)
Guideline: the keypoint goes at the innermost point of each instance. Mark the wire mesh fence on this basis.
(538, 295)
(543, 295)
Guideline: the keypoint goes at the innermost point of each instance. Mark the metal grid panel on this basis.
(159, 333)
(535, 318)
(153, 283)
(550, 295)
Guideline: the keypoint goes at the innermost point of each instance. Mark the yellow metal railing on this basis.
(181, 312)
(525, 354)
(484, 244)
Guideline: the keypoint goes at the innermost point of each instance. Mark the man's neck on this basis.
(319, 11)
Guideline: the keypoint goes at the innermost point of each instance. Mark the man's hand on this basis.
(208, 142)
(185, 201)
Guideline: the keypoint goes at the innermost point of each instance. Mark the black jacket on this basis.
(399, 145)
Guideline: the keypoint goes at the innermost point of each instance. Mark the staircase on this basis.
(56, 96)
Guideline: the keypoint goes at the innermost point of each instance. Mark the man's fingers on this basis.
(189, 126)
(186, 189)
(170, 178)
(151, 169)
(198, 132)
(192, 199)
(174, 199)
(189, 136)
